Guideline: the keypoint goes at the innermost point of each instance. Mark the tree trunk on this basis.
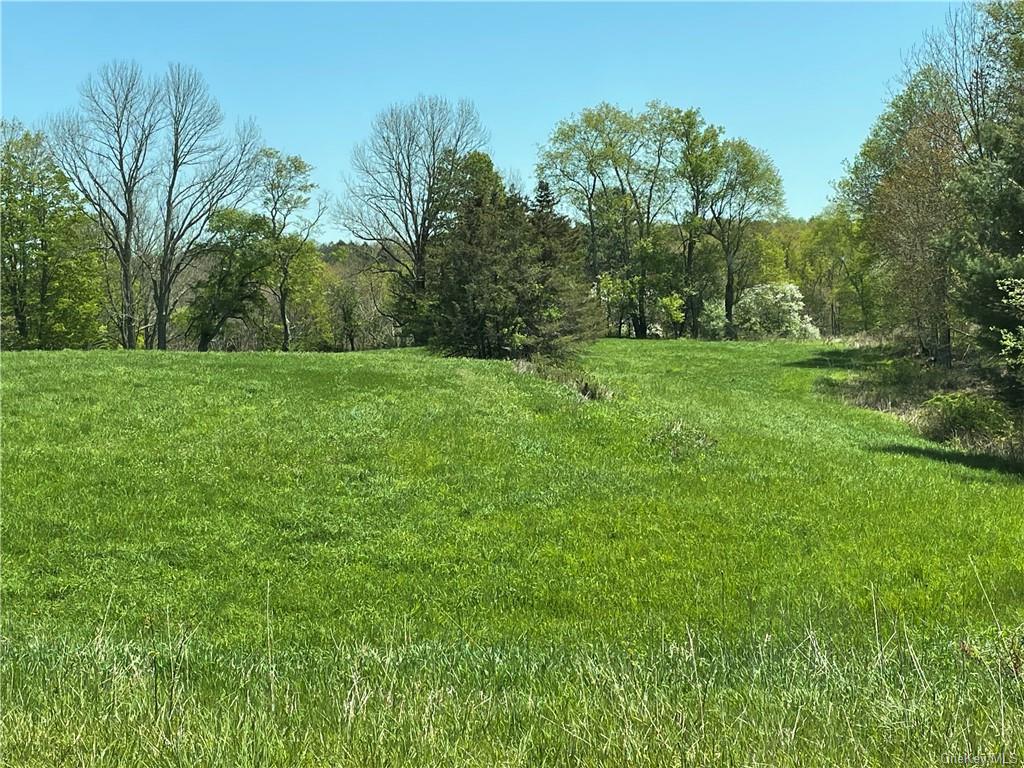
(21, 319)
(286, 331)
(693, 308)
(692, 318)
(730, 299)
(127, 324)
(162, 300)
(944, 353)
(640, 318)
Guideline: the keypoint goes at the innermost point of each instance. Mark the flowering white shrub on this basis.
(773, 310)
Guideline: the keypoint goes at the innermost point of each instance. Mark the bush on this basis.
(1013, 338)
(965, 417)
(712, 321)
(669, 316)
(773, 310)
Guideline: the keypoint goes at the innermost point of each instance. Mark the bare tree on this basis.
(959, 60)
(403, 184)
(151, 160)
(200, 170)
(105, 148)
(285, 191)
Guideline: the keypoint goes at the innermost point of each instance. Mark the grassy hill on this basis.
(388, 558)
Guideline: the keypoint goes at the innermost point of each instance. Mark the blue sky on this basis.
(802, 81)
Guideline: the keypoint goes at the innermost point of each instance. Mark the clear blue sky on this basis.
(802, 81)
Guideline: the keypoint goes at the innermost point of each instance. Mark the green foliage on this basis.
(670, 315)
(306, 283)
(1013, 337)
(238, 265)
(936, 190)
(51, 285)
(838, 274)
(395, 558)
(355, 294)
(712, 321)
(990, 245)
(505, 283)
(965, 417)
(773, 311)
(652, 186)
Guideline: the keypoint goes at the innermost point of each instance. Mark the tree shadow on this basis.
(961, 458)
(849, 359)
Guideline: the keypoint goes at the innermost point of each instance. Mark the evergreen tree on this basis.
(563, 312)
(508, 275)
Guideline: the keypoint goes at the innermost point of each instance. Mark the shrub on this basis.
(712, 321)
(773, 310)
(669, 315)
(969, 418)
(1013, 340)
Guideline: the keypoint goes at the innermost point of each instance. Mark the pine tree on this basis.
(507, 278)
(564, 313)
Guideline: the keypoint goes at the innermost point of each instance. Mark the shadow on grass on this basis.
(959, 458)
(850, 359)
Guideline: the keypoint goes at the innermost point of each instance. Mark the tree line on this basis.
(140, 218)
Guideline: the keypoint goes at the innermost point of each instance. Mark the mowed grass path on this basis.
(392, 558)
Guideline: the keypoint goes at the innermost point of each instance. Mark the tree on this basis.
(197, 171)
(701, 163)
(988, 247)
(103, 148)
(900, 191)
(49, 263)
(836, 272)
(404, 185)
(472, 303)
(1012, 338)
(239, 265)
(773, 311)
(560, 312)
(305, 284)
(151, 160)
(622, 170)
(355, 293)
(748, 190)
(285, 190)
(506, 283)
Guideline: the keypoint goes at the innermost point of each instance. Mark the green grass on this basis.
(388, 558)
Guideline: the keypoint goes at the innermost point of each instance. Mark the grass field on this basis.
(388, 558)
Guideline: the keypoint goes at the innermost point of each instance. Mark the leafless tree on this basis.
(403, 182)
(958, 58)
(153, 163)
(105, 148)
(199, 170)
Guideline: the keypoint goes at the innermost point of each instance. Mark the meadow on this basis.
(392, 558)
